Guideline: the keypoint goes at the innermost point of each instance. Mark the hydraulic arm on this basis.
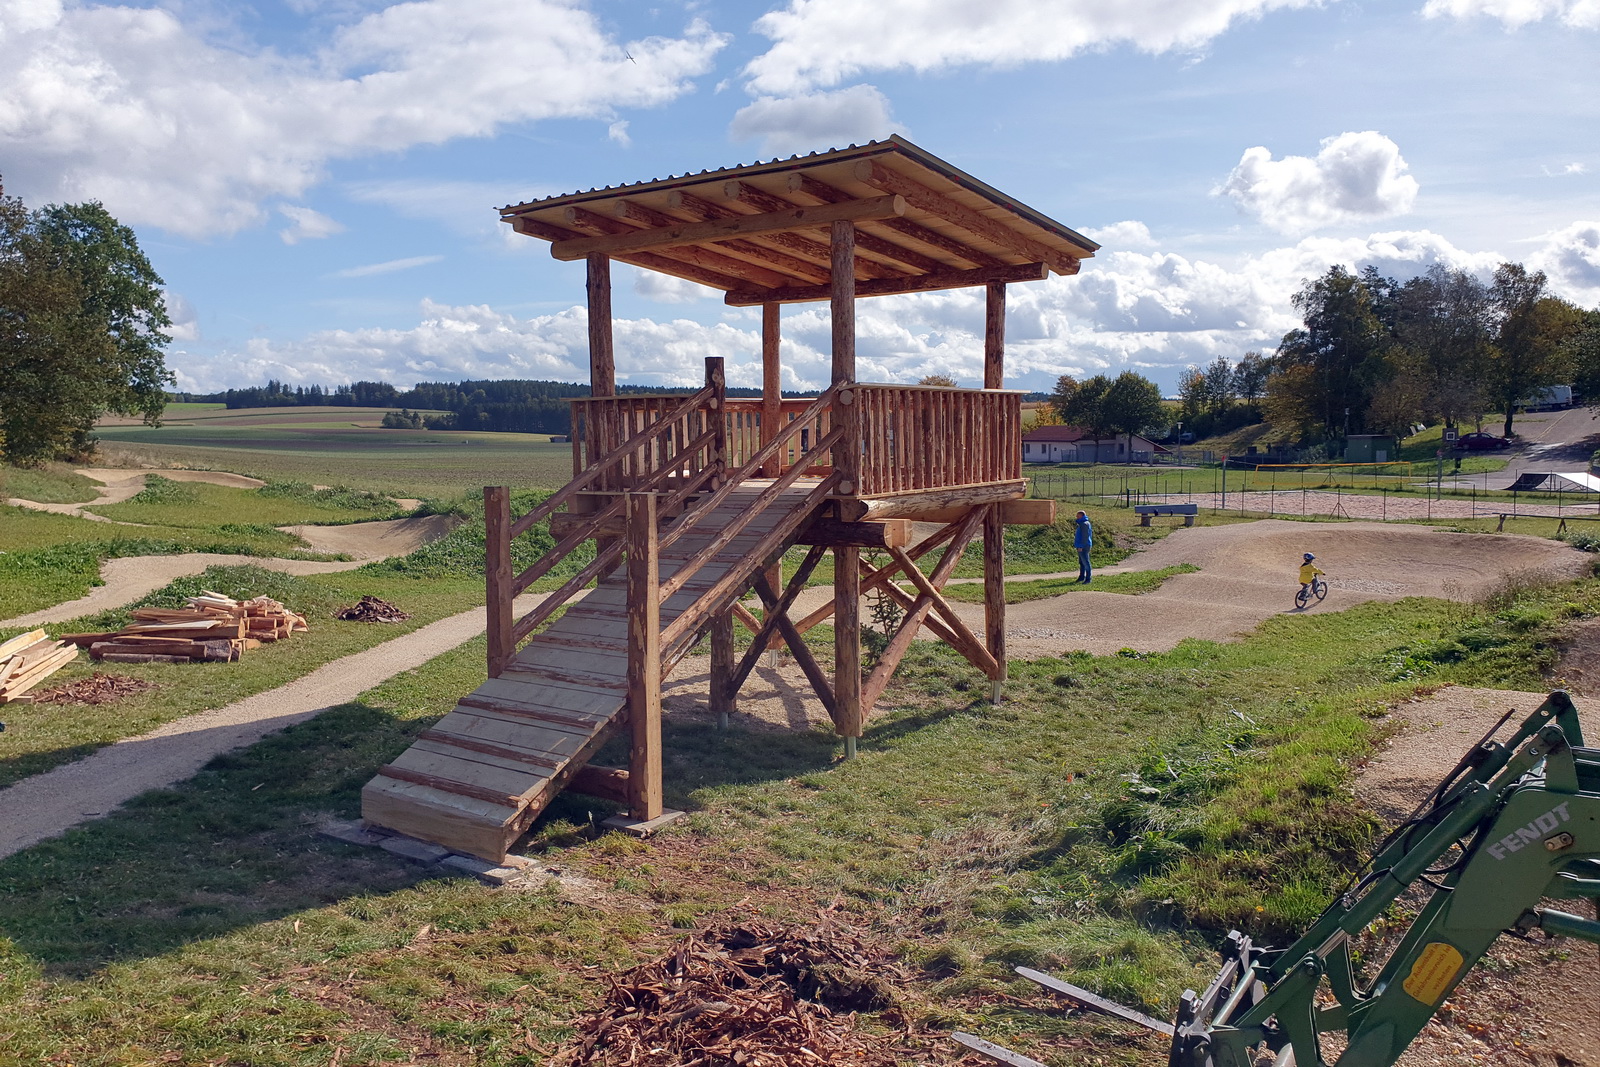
(1516, 822)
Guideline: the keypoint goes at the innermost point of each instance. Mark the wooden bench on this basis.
(1188, 511)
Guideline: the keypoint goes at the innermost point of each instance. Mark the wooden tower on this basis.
(691, 501)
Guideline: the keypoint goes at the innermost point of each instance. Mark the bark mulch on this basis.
(99, 688)
(753, 995)
(371, 609)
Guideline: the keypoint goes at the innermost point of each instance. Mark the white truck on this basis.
(1550, 398)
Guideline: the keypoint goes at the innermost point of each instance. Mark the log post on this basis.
(498, 579)
(847, 644)
(994, 336)
(724, 698)
(771, 384)
(994, 595)
(717, 381)
(602, 356)
(842, 300)
(644, 659)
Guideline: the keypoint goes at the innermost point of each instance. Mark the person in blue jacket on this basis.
(1083, 541)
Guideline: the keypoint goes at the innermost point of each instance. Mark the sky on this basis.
(317, 180)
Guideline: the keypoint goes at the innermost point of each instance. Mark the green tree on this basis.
(1131, 404)
(937, 381)
(1250, 377)
(1440, 323)
(1079, 403)
(1581, 353)
(82, 324)
(1530, 327)
(1338, 349)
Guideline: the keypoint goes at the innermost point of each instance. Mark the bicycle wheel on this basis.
(1300, 598)
(1321, 589)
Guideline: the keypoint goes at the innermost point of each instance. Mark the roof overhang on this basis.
(760, 232)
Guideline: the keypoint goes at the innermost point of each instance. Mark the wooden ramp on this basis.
(476, 780)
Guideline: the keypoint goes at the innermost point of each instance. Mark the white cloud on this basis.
(666, 289)
(1565, 171)
(1122, 235)
(794, 124)
(1570, 257)
(306, 224)
(386, 267)
(467, 208)
(136, 108)
(618, 132)
(185, 320)
(824, 42)
(1354, 176)
(1153, 311)
(1584, 14)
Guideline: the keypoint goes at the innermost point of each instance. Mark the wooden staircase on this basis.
(695, 536)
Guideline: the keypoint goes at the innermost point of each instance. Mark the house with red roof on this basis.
(1073, 444)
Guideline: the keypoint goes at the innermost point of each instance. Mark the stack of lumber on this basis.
(212, 628)
(28, 659)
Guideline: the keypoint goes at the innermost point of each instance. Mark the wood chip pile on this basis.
(28, 659)
(213, 628)
(753, 996)
(99, 688)
(372, 609)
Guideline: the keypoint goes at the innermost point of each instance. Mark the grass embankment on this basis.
(1131, 582)
(1108, 822)
(164, 502)
(50, 483)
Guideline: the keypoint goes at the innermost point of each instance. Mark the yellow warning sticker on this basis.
(1433, 972)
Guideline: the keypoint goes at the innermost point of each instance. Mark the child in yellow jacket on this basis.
(1308, 571)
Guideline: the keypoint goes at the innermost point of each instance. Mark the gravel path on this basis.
(1389, 506)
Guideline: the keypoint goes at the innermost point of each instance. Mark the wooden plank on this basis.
(470, 768)
(502, 749)
(688, 233)
(506, 725)
(578, 708)
(822, 530)
(644, 660)
(20, 642)
(450, 785)
(762, 201)
(744, 296)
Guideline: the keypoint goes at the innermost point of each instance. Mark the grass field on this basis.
(51, 483)
(306, 444)
(1107, 823)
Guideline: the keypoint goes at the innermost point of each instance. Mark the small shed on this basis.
(1370, 448)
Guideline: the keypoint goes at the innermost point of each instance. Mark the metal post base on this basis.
(849, 748)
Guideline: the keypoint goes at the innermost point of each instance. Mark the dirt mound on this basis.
(753, 993)
(375, 540)
(1578, 668)
(121, 477)
(1526, 1004)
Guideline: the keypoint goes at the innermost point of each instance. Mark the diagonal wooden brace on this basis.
(797, 646)
(768, 628)
(881, 577)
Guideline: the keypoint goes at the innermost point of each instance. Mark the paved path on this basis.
(49, 804)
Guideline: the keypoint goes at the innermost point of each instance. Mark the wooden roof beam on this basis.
(538, 228)
(613, 229)
(867, 242)
(805, 183)
(920, 196)
(948, 279)
(781, 262)
(689, 233)
(804, 247)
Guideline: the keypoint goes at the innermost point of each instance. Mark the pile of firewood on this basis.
(213, 628)
(28, 659)
(749, 994)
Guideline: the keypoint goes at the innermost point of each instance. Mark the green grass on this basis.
(52, 483)
(1132, 582)
(50, 559)
(198, 504)
(1107, 822)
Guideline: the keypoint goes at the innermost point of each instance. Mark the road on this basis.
(1550, 441)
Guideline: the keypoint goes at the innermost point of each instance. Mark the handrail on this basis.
(611, 459)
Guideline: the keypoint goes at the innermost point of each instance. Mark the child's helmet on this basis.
(1309, 557)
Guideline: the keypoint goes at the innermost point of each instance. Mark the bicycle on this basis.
(1318, 588)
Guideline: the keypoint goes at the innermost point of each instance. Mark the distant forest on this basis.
(509, 406)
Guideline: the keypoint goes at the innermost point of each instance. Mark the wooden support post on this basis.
(847, 643)
(994, 595)
(717, 382)
(644, 658)
(498, 576)
(602, 356)
(724, 697)
(771, 384)
(842, 300)
(994, 336)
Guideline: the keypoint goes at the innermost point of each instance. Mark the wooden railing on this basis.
(747, 421)
(918, 437)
